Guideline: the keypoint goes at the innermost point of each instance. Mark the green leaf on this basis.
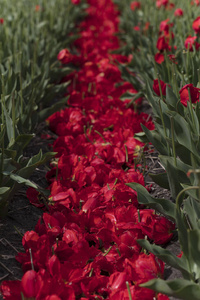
(10, 153)
(171, 98)
(22, 180)
(34, 162)
(190, 117)
(174, 183)
(164, 206)
(9, 126)
(141, 136)
(193, 193)
(4, 190)
(152, 99)
(183, 289)
(156, 139)
(192, 210)
(183, 134)
(182, 232)
(194, 249)
(2, 133)
(183, 167)
(45, 113)
(22, 140)
(161, 179)
(130, 96)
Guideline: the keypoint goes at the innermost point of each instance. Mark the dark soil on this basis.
(23, 216)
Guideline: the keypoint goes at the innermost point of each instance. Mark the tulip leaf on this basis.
(174, 181)
(193, 193)
(192, 209)
(23, 140)
(183, 134)
(156, 139)
(45, 113)
(183, 289)
(193, 120)
(141, 136)
(34, 162)
(171, 98)
(194, 248)
(164, 206)
(4, 190)
(9, 125)
(161, 179)
(22, 180)
(152, 99)
(182, 232)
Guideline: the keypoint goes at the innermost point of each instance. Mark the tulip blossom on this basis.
(160, 3)
(196, 25)
(187, 92)
(190, 42)
(159, 88)
(159, 58)
(135, 5)
(64, 56)
(75, 1)
(178, 12)
(163, 44)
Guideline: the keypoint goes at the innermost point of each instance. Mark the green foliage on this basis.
(177, 131)
(32, 35)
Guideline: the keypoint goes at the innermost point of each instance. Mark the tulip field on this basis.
(86, 68)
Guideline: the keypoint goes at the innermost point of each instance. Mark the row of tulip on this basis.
(31, 36)
(166, 62)
(85, 244)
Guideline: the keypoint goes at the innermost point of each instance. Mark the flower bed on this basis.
(85, 245)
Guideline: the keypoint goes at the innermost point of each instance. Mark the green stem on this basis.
(100, 135)
(179, 198)
(163, 124)
(31, 257)
(173, 141)
(107, 251)
(129, 291)
(126, 153)
(191, 108)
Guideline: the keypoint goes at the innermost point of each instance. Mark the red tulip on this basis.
(184, 94)
(178, 12)
(159, 58)
(196, 25)
(190, 42)
(157, 88)
(135, 5)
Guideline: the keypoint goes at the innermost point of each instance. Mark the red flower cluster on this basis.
(191, 41)
(163, 42)
(85, 246)
(166, 36)
(164, 3)
(135, 5)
